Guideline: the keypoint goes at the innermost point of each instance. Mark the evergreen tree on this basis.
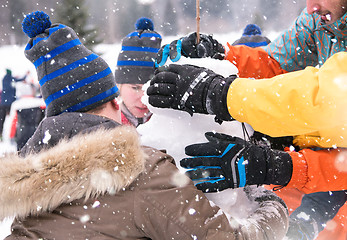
(17, 9)
(170, 24)
(74, 14)
(130, 11)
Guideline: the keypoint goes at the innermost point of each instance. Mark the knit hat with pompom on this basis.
(135, 63)
(72, 78)
(251, 29)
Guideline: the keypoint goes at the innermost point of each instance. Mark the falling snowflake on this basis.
(179, 179)
(96, 204)
(46, 137)
(84, 218)
(304, 216)
(341, 161)
(192, 211)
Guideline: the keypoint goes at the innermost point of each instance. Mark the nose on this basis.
(312, 6)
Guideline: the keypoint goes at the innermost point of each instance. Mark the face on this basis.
(329, 10)
(131, 95)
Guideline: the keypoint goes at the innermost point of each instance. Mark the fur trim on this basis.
(85, 166)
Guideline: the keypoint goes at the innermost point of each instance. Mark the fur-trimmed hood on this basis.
(84, 166)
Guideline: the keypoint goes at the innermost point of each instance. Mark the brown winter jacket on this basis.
(104, 185)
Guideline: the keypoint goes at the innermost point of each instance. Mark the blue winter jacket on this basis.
(308, 42)
(8, 95)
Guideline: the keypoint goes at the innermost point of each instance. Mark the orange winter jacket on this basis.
(319, 171)
(253, 62)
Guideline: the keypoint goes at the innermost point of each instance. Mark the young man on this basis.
(83, 176)
(317, 34)
(295, 104)
(135, 67)
(252, 37)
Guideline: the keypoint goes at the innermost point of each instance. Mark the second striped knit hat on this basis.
(135, 63)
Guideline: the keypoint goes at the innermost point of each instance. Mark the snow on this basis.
(5, 228)
(168, 129)
(173, 130)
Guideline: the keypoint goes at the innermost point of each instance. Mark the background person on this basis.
(135, 66)
(8, 95)
(252, 37)
(26, 113)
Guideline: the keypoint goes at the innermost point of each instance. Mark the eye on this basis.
(136, 88)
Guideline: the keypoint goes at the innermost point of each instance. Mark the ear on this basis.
(115, 104)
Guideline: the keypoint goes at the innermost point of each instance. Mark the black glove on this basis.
(230, 162)
(187, 46)
(190, 88)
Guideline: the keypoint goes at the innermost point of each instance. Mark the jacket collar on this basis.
(338, 28)
(87, 165)
(130, 118)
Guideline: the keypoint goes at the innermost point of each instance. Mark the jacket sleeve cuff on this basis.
(216, 100)
(299, 175)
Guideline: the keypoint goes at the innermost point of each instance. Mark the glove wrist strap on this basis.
(278, 172)
(216, 99)
(200, 78)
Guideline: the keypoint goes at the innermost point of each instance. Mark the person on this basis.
(318, 34)
(8, 95)
(252, 37)
(2, 116)
(113, 190)
(26, 113)
(135, 66)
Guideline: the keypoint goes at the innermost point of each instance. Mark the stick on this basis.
(197, 21)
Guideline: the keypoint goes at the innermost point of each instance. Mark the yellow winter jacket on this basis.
(310, 104)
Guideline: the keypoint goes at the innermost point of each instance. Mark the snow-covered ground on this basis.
(168, 129)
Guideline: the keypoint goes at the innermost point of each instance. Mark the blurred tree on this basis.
(74, 14)
(216, 8)
(170, 22)
(259, 20)
(4, 23)
(129, 12)
(115, 18)
(16, 11)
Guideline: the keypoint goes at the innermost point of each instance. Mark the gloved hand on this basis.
(190, 88)
(301, 229)
(261, 194)
(187, 46)
(230, 162)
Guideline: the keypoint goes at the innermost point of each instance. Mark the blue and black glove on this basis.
(192, 89)
(187, 47)
(231, 162)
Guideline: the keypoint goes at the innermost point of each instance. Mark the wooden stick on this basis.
(197, 21)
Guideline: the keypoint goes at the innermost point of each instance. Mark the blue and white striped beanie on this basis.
(72, 78)
(135, 63)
